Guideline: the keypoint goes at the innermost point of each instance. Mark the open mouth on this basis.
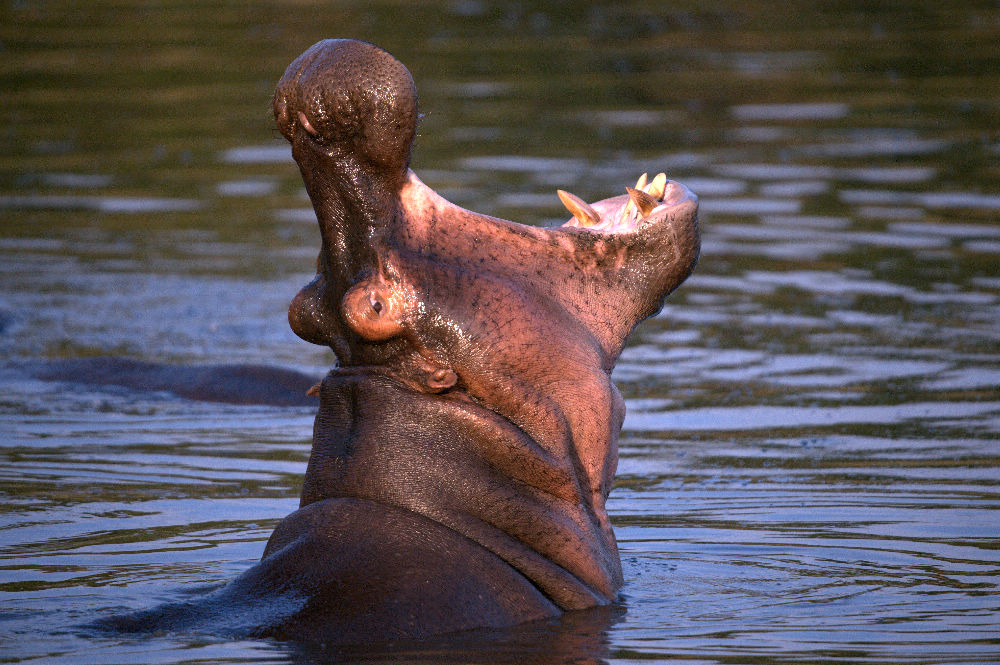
(409, 280)
(649, 200)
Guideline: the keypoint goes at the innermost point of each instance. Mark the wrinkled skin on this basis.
(467, 441)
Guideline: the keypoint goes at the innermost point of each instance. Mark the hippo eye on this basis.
(376, 305)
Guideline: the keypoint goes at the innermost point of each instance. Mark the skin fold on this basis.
(466, 441)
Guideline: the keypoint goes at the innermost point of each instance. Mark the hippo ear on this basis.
(373, 309)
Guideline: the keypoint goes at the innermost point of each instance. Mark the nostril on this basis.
(304, 121)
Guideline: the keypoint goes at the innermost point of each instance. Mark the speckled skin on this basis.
(467, 441)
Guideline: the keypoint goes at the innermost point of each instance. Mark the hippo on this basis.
(233, 384)
(466, 441)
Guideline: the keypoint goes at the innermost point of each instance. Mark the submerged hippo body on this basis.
(466, 443)
(234, 384)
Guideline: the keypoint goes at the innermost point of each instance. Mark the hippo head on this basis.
(516, 327)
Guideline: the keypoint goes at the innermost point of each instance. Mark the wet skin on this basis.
(466, 442)
(235, 384)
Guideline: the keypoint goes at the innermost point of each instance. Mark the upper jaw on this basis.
(351, 98)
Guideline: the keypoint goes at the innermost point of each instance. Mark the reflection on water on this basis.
(810, 460)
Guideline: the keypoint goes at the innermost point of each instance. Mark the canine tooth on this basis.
(643, 201)
(656, 187)
(639, 184)
(581, 210)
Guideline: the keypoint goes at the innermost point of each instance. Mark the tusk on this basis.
(582, 212)
(643, 201)
(639, 184)
(657, 187)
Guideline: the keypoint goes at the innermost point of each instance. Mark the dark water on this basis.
(810, 467)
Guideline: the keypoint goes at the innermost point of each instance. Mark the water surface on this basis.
(810, 463)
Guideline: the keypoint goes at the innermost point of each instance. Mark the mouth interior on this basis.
(624, 214)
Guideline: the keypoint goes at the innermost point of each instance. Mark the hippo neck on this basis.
(372, 441)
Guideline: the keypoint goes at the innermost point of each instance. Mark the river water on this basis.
(810, 466)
